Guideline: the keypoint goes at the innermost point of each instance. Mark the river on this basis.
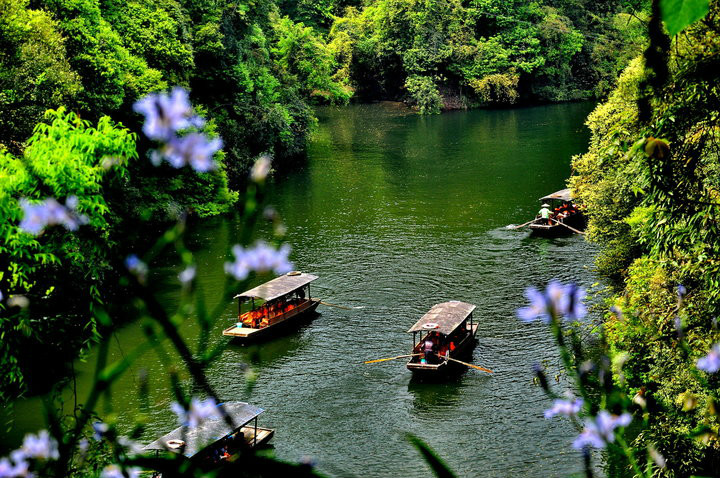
(395, 212)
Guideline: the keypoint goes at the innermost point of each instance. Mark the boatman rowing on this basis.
(545, 212)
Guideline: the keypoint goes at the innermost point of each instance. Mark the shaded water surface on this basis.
(397, 212)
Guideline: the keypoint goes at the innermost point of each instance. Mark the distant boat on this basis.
(214, 440)
(274, 305)
(451, 329)
(565, 216)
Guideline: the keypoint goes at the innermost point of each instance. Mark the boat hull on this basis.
(541, 228)
(282, 323)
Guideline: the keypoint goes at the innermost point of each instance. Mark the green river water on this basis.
(395, 212)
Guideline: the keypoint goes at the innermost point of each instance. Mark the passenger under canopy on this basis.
(193, 440)
(443, 318)
(281, 301)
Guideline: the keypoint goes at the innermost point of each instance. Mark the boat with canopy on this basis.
(271, 306)
(443, 335)
(218, 438)
(565, 216)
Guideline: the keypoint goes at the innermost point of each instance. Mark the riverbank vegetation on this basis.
(650, 183)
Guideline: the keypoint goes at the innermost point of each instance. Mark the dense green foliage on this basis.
(452, 53)
(654, 205)
(65, 157)
(252, 69)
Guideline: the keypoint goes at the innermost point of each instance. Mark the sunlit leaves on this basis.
(679, 14)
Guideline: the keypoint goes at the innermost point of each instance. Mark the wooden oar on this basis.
(521, 225)
(571, 228)
(392, 358)
(335, 305)
(465, 363)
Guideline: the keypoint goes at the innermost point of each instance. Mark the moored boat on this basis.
(564, 216)
(273, 305)
(444, 334)
(216, 439)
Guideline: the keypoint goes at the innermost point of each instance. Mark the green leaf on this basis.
(678, 14)
(436, 463)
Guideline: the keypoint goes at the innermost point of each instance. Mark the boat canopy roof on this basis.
(444, 318)
(208, 431)
(279, 286)
(562, 195)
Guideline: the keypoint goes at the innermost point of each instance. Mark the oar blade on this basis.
(467, 364)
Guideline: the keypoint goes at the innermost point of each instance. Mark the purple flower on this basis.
(165, 115)
(538, 307)
(193, 149)
(260, 258)
(187, 275)
(99, 430)
(136, 267)
(199, 411)
(38, 216)
(1, 295)
(557, 300)
(7, 469)
(711, 362)
(16, 468)
(564, 407)
(114, 471)
(571, 302)
(83, 446)
(40, 446)
(681, 291)
(601, 431)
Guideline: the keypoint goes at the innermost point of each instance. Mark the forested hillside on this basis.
(650, 181)
(439, 54)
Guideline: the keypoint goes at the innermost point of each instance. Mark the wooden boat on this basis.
(273, 305)
(214, 440)
(450, 327)
(564, 213)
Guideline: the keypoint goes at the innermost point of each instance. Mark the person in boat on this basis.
(429, 348)
(545, 212)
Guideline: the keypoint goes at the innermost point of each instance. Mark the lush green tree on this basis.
(64, 158)
(34, 70)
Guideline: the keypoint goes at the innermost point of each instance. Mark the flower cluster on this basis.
(260, 258)
(558, 300)
(564, 407)
(711, 362)
(199, 411)
(601, 431)
(38, 216)
(165, 117)
(35, 447)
